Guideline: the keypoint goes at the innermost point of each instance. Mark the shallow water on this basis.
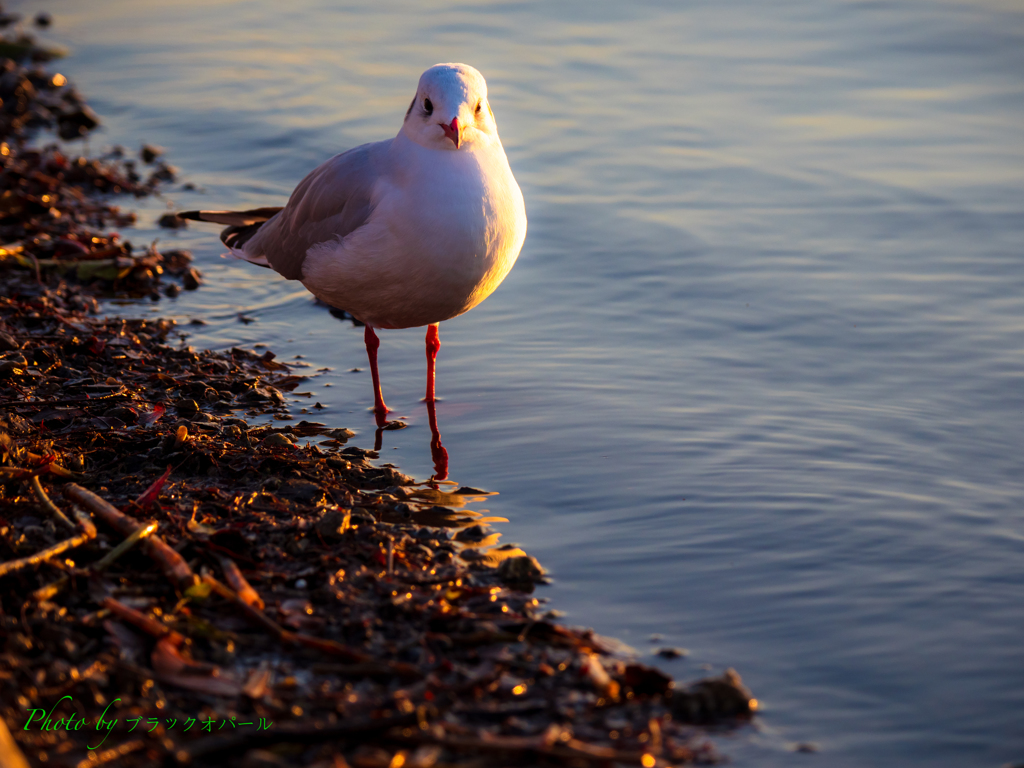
(755, 383)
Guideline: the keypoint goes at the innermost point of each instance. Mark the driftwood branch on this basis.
(172, 564)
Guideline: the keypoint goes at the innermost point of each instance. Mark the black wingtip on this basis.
(193, 215)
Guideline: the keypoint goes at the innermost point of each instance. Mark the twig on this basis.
(255, 616)
(173, 564)
(88, 533)
(51, 590)
(146, 623)
(239, 583)
(49, 506)
(137, 535)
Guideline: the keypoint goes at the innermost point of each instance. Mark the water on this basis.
(755, 383)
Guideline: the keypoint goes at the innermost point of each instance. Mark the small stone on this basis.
(332, 525)
(77, 123)
(8, 343)
(172, 221)
(165, 172)
(277, 440)
(473, 533)
(150, 152)
(125, 414)
(713, 698)
(519, 570)
(187, 408)
(302, 490)
(192, 279)
(10, 369)
(672, 653)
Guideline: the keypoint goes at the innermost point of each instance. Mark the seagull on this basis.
(400, 233)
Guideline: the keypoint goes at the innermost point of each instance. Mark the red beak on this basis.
(452, 131)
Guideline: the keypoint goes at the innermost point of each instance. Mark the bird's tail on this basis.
(240, 227)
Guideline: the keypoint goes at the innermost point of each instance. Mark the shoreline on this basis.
(356, 609)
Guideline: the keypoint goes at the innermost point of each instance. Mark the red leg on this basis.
(433, 344)
(372, 343)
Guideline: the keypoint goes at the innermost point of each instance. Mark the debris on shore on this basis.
(181, 586)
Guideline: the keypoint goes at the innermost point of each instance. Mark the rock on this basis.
(472, 534)
(646, 681)
(302, 490)
(187, 408)
(10, 369)
(516, 571)
(75, 124)
(713, 699)
(164, 172)
(8, 342)
(333, 524)
(172, 221)
(277, 440)
(191, 279)
(671, 653)
(125, 414)
(150, 152)
(341, 434)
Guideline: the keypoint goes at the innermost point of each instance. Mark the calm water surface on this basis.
(756, 383)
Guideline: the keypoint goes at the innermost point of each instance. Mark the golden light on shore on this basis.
(59, 80)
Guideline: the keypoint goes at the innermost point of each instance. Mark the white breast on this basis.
(446, 229)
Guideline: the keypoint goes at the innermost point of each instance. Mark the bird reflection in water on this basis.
(438, 452)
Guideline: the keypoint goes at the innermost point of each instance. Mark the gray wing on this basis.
(332, 201)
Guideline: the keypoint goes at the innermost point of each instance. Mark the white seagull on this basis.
(399, 233)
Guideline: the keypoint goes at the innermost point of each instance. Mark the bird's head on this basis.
(450, 109)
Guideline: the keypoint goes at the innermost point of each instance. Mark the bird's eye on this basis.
(478, 105)
(427, 106)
